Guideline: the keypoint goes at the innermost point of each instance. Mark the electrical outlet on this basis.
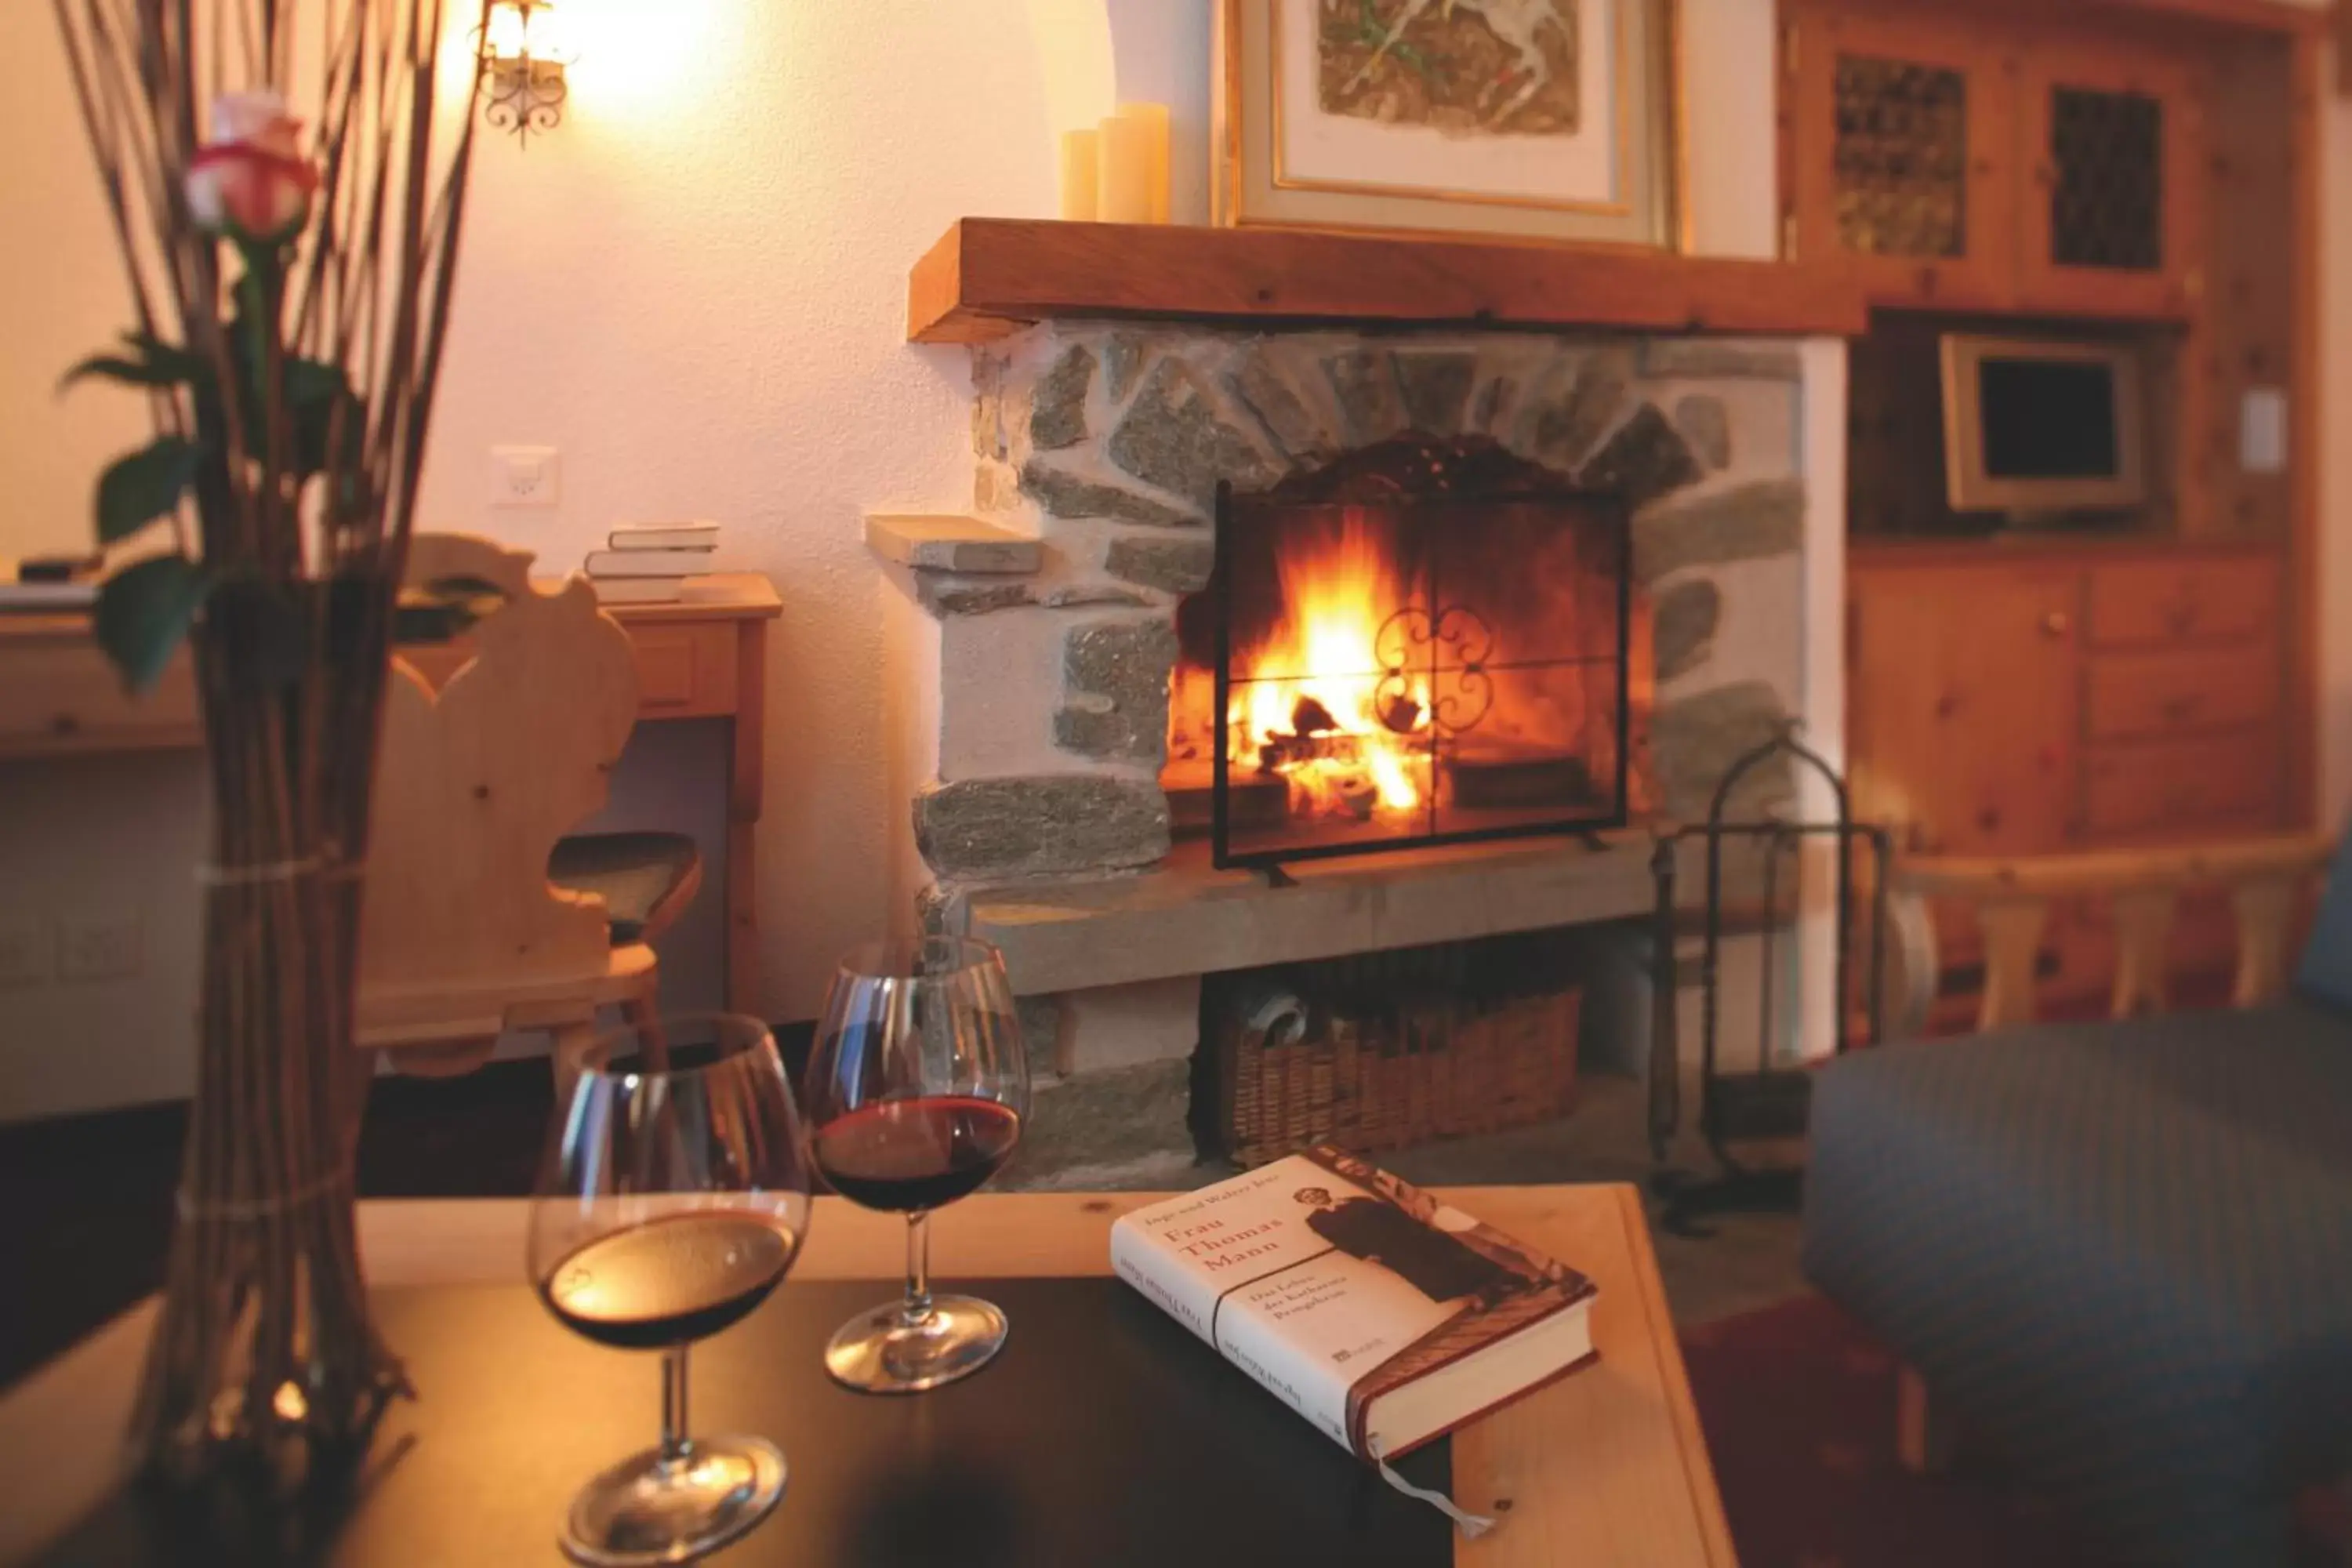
(25, 951)
(97, 948)
(525, 477)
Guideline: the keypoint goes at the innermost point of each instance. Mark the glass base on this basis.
(643, 1511)
(881, 1353)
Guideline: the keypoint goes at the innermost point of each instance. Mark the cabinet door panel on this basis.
(2107, 220)
(1902, 151)
(2171, 602)
(2164, 696)
(1965, 692)
(2181, 786)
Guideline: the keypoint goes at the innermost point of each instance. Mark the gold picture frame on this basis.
(1258, 184)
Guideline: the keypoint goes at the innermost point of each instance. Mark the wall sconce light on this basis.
(522, 68)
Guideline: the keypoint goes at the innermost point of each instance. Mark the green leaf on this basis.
(114, 367)
(183, 364)
(154, 362)
(145, 486)
(144, 613)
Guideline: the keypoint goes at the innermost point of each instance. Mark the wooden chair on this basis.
(481, 917)
(2011, 900)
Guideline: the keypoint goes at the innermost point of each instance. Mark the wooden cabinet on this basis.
(1902, 141)
(2017, 707)
(1962, 706)
(1965, 164)
(2073, 699)
(2108, 207)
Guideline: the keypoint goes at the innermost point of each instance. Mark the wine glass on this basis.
(674, 1197)
(916, 1093)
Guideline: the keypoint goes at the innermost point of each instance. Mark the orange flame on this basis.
(1315, 685)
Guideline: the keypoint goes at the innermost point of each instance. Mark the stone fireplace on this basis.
(1035, 644)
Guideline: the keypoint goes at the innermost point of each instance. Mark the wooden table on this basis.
(1605, 1467)
(705, 657)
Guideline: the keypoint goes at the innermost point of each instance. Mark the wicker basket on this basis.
(1420, 1070)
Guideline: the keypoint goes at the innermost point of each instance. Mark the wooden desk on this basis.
(1607, 1466)
(705, 657)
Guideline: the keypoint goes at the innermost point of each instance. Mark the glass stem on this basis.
(916, 1310)
(675, 1443)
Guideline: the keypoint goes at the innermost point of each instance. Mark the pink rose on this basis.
(251, 177)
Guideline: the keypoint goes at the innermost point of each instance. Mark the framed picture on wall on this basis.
(1538, 120)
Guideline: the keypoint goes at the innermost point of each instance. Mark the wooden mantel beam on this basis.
(987, 277)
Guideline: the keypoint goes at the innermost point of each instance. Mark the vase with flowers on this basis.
(291, 287)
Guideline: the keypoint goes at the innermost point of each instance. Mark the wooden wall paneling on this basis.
(2246, 335)
(2192, 21)
(2304, 806)
(1894, 426)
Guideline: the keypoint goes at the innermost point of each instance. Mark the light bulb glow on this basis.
(521, 30)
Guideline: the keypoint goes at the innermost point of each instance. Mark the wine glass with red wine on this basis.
(673, 1198)
(916, 1093)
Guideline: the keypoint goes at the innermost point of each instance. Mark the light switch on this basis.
(525, 477)
(2262, 431)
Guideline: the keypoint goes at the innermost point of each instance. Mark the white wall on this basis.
(695, 289)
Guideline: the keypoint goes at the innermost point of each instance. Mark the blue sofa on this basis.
(2120, 1252)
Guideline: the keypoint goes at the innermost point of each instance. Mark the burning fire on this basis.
(1310, 704)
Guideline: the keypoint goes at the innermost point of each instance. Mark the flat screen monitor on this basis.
(2038, 427)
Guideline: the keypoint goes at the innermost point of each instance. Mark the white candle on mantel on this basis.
(1081, 175)
(1123, 195)
(1154, 118)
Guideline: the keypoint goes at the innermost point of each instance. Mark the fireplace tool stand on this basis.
(1744, 1113)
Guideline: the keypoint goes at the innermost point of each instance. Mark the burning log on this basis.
(1251, 803)
(1279, 752)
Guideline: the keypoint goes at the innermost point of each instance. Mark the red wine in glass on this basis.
(917, 1087)
(669, 1281)
(672, 1201)
(909, 1156)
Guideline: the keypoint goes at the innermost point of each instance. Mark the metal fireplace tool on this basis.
(1742, 1115)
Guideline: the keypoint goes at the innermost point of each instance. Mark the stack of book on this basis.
(54, 584)
(650, 563)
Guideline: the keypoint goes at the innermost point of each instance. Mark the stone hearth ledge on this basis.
(1186, 918)
(933, 543)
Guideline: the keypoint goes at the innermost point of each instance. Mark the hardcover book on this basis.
(1382, 1316)
(664, 536)
(647, 563)
(639, 590)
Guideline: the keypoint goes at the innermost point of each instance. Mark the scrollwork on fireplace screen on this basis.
(1484, 692)
(1453, 627)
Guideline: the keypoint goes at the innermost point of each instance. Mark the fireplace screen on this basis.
(1423, 643)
